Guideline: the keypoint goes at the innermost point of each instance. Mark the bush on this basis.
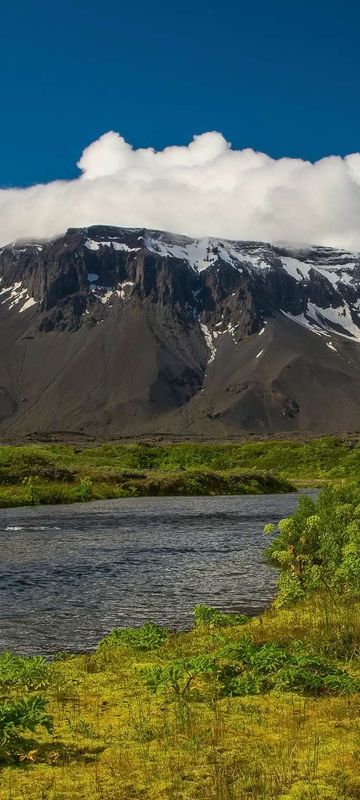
(84, 490)
(253, 669)
(30, 674)
(245, 668)
(318, 547)
(178, 675)
(146, 637)
(19, 716)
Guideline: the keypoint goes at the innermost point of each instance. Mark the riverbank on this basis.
(62, 473)
(52, 475)
(241, 709)
(265, 708)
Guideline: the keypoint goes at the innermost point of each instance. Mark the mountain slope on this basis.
(109, 331)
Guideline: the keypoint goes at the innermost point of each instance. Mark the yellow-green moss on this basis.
(113, 740)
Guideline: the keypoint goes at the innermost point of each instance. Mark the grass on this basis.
(51, 474)
(63, 473)
(115, 739)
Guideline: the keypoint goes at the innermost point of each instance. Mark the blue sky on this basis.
(281, 77)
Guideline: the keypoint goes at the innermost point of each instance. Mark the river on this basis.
(68, 574)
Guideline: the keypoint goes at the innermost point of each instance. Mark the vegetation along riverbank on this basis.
(52, 473)
(235, 709)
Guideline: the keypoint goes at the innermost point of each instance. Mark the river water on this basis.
(68, 574)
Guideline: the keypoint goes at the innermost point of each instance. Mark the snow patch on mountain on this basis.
(209, 341)
(322, 320)
(28, 304)
(93, 244)
(330, 317)
(297, 269)
(203, 253)
(328, 276)
(211, 336)
(15, 295)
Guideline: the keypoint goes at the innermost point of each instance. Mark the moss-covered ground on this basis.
(116, 739)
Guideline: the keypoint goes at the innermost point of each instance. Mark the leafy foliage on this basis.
(30, 674)
(19, 716)
(84, 490)
(146, 637)
(318, 547)
(254, 669)
(245, 668)
(179, 674)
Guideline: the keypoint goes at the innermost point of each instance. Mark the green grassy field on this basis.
(142, 719)
(63, 473)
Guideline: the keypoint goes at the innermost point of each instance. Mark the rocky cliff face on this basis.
(109, 331)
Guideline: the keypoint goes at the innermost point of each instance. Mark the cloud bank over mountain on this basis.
(205, 188)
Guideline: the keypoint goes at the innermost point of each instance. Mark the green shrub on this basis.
(84, 490)
(30, 674)
(318, 547)
(179, 674)
(245, 668)
(146, 637)
(19, 716)
(254, 669)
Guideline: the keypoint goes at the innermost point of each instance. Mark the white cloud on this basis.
(206, 188)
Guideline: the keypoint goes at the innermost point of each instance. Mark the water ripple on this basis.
(68, 574)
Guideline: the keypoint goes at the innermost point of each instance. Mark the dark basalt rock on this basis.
(137, 331)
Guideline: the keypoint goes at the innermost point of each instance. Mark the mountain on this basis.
(120, 332)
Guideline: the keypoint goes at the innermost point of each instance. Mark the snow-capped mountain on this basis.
(113, 331)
